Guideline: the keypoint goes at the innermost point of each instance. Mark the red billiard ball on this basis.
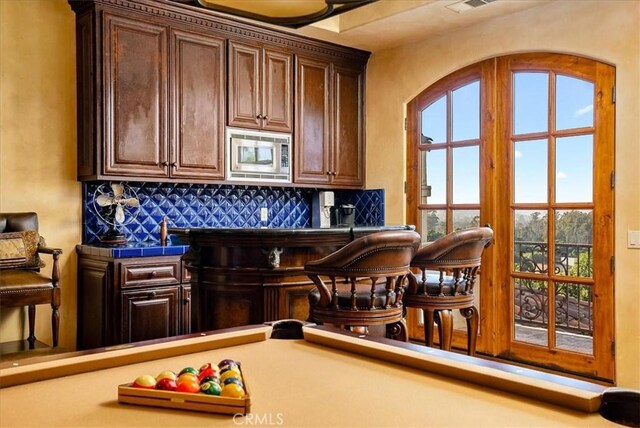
(166, 384)
(188, 385)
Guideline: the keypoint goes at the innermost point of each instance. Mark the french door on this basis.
(525, 143)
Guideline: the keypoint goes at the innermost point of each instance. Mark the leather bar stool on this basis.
(362, 284)
(456, 258)
(21, 283)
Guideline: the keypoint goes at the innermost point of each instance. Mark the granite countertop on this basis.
(176, 247)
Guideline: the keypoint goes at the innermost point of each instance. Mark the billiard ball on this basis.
(226, 362)
(232, 390)
(229, 374)
(214, 378)
(187, 376)
(229, 368)
(210, 366)
(211, 388)
(167, 374)
(188, 370)
(145, 381)
(166, 384)
(188, 385)
(208, 371)
(231, 380)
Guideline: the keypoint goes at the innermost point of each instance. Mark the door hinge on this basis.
(405, 123)
(405, 187)
(613, 94)
(613, 348)
(613, 264)
(613, 179)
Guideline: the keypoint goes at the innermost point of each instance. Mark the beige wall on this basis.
(38, 144)
(589, 28)
(37, 127)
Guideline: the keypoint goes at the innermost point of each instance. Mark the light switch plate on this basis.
(264, 214)
(633, 239)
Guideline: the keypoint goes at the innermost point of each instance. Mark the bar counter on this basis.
(250, 276)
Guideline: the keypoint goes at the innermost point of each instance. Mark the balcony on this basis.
(573, 301)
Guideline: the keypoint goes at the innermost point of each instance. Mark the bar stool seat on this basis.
(456, 259)
(362, 284)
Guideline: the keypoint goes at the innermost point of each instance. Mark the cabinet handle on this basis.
(165, 163)
(151, 295)
(153, 274)
(328, 172)
(334, 173)
(259, 116)
(266, 118)
(173, 164)
(187, 300)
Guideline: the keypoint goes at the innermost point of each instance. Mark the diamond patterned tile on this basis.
(204, 205)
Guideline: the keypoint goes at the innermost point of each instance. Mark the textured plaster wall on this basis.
(606, 31)
(38, 144)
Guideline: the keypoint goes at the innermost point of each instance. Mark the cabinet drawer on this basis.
(148, 272)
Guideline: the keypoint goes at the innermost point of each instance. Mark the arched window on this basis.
(525, 143)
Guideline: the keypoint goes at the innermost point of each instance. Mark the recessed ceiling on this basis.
(287, 13)
(381, 24)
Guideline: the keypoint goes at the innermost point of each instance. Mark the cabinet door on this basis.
(348, 127)
(244, 85)
(277, 95)
(150, 314)
(135, 98)
(312, 137)
(197, 106)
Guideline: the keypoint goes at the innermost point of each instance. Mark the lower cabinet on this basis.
(123, 300)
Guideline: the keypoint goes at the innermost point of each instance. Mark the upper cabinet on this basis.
(260, 81)
(159, 101)
(159, 82)
(329, 136)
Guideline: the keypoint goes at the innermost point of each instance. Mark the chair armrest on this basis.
(55, 269)
(50, 250)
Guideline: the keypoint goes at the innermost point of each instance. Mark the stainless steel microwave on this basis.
(258, 156)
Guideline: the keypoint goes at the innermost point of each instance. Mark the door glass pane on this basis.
(530, 249)
(530, 309)
(574, 243)
(433, 186)
(464, 219)
(574, 103)
(466, 175)
(574, 169)
(465, 114)
(530, 171)
(434, 223)
(531, 102)
(434, 122)
(574, 317)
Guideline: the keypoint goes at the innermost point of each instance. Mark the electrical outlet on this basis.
(633, 239)
(264, 214)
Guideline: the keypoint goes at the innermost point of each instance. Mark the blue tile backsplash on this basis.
(223, 206)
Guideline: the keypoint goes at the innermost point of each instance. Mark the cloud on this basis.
(560, 175)
(584, 110)
(517, 154)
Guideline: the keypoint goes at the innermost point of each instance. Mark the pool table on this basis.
(327, 378)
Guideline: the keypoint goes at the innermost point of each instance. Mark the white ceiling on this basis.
(388, 23)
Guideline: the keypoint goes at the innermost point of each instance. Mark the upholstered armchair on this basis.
(21, 283)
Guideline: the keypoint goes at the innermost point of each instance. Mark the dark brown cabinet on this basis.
(159, 105)
(260, 82)
(135, 97)
(329, 133)
(197, 106)
(123, 300)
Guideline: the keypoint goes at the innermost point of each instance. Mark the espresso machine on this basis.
(321, 206)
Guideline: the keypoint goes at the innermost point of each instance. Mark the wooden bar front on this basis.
(250, 276)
